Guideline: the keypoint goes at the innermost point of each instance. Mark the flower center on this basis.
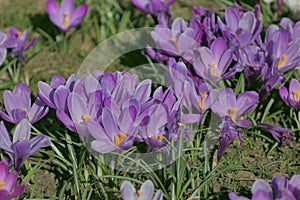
(180, 124)
(159, 138)
(119, 138)
(296, 95)
(281, 61)
(232, 112)
(86, 118)
(2, 183)
(139, 193)
(19, 34)
(66, 19)
(22, 139)
(201, 103)
(213, 68)
(175, 41)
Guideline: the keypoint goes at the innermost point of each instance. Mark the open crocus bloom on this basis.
(18, 106)
(228, 105)
(291, 96)
(66, 16)
(145, 193)
(22, 146)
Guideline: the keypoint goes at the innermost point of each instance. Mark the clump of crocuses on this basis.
(282, 188)
(66, 16)
(128, 192)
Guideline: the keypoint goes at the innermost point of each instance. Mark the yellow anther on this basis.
(296, 95)
(2, 183)
(180, 124)
(213, 68)
(201, 103)
(232, 112)
(22, 139)
(19, 34)
(119, 138)
(281, 61)
(66, 19)
(175, 41)
(159, 138)
(86, 118)
(139, 193)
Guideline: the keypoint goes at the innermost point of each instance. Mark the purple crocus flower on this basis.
(291, 96)
(158, 8)
(175, 41)
(214, 61)
(8, 182)
(22, 147)
(228, 105)
(66, 16)
(20, 42)
(146, 192)
(153, 6)
(228, 133)
(112, 135)
(5, 42)
(241, 28)
(280, 134)
(18, 106)
(282, 189)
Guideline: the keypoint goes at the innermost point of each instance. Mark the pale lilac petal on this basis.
(37, 111)
(102, 146)
(23, 131)
(128, 192)
(5, 139)
(45, 94)
(39, 142)
(146, 190)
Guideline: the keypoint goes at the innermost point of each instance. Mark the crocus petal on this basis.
(21, 153)
(146, 190)
(158, 195)
(109, 122)
(37, 111)
(78, 15)
(45, 94)
(246, 102)
(244, 123)
(218, 47)
(143, 91)
(53, 11)
(22, 131)
(3, 53)
(65, 119)
(283, 92)
(39, 142)
(142, 5)
(18, 190)
(260, 184)
(9, 101)
(67, 6)
(102, 146)
(11, 181)
(18, 115)
(5, 139)
(57, 81)
(60, 98)
(128, 191)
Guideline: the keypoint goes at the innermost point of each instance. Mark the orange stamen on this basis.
(2, 183)
(175, 41)
(296, 95)
(281, 61)
(180, 124)
(86, 118)
(232, 112)
(119, 138)
(19, 34)
(66, 19)
(213, 68)
(139, 193)
(22, 139)
(159, 138)
(201, 103)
